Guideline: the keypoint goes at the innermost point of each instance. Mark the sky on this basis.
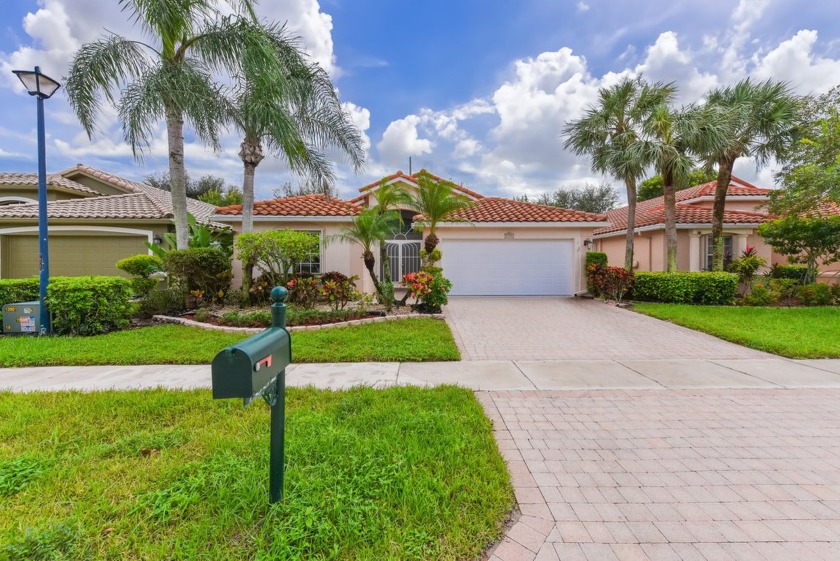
(476, 91)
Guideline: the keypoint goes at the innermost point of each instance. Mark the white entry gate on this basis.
(403, 258)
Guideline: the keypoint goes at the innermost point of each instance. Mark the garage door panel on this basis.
(509, 267)
(72, 255)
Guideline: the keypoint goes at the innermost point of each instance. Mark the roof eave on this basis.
(681, 226)
(285, 218)
(524, 224)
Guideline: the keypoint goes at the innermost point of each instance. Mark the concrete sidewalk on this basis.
(493, 375)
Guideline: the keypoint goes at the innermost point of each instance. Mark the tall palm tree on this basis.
(295, 113)
(760, 118)
(436, 200)
(369, 228)
(674, 138)
(389, 197)
(610, 132)
(170, 78)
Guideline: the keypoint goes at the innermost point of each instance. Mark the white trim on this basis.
(729, 198)
(558, 224)
(11, 199)
(653, 227)
(238, 218)
(114, 229)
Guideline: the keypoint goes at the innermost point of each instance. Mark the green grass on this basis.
(402, 473)
(790, 332)
(410, 340)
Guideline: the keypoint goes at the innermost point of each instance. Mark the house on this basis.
(745, 211)
(95, 219)
(495, 247)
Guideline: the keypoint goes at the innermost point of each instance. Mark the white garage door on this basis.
(508, 267)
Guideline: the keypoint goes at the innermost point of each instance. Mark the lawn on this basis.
(790, 332)
(402, 473)
(410, 340)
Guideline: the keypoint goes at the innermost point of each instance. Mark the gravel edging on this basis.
(232, 329)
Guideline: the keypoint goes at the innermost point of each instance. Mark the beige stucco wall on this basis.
(519, 232)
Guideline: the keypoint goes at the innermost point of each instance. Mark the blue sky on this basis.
(477, 91)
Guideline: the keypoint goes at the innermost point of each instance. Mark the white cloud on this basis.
(401, 140)
(360, 117)
(582, 7)
(794, 60)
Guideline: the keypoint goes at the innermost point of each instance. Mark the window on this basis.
(312, 264)
(727, 251)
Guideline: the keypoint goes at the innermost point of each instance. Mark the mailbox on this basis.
(22, 317)
(247, 368)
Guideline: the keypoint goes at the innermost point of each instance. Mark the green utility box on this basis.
(247, 368)
(22, 317)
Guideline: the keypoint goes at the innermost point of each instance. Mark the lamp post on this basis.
(42, 87)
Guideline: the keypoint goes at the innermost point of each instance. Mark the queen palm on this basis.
(170, 77)
(369, 228)
(760, 121)
(437, 201)
(610, 133)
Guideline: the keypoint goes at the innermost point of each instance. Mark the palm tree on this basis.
(296, 112)
(760, 121)
(674, 137)
(436, 200)
(170, 78)
(609, 133)
(389, 197)
(369, 228)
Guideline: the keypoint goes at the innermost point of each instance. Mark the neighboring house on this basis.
(496, 247)
(95, 219)
(745, 212)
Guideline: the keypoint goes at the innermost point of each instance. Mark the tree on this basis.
(760, 119)
(436, 200)
(307, 186)
(293, 109)
(811, 172)
(389, 197)
(195, 189)
(590, 198)
(369, 228)
(809, 240)
(609, 133)
(651, 187)
(171, 77)
(222, 197)
(278, 253)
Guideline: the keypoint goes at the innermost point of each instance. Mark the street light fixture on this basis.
(42, 87)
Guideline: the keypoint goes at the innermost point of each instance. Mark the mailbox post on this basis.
(256, 367)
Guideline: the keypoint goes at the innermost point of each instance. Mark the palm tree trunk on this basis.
(177, 175)
(724, 177)
(370, 264)
(630, 184)
(250, 152)
(670, 197)
(386, 263)
(431, 242)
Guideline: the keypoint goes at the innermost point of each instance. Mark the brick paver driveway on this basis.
(538, 328)
(664, 474)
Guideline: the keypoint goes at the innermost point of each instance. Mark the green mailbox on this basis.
(255, 368)
(247, 368)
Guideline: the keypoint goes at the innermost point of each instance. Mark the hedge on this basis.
(89, 305)
(18, 290)
(686, 288)
(205, 272)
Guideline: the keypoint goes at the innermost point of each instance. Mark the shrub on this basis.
(815, 294)
(202, 314)
(795, 272)
(303, 291)
(783, 289)
(761, 295)
(141, 267)
(203, 272)
(746, 267)
(429, 291)
(686, 288)
(277, 253)
(89, 305)
(338, 289)
(163, 301)
(294, 316)
(19, 290)
(598, 259)
(617, 281)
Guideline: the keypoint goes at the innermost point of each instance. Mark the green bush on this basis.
(686, 288)
(164, 301)
(761, 295)
(277, 253)
(303, 291)
(294, 316)
(203, 272)
(815, 294)
(338, 289)
(89, 305)
(795, 272)
(599, 259)
(18, 290)
(141, 265)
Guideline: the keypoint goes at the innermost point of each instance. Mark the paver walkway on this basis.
(685, 475)
(555, 328)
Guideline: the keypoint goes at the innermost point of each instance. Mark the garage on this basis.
(69, 255)
(509, 267)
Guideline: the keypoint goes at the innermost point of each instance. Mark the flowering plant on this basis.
(303, 291)
(429, 291)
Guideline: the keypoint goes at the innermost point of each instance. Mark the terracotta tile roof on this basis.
(648, 211)
(497, 209)
(53, 180)
(825, 210)
(413, 179)
(160, 198)
(133, 206)
(301, 205)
